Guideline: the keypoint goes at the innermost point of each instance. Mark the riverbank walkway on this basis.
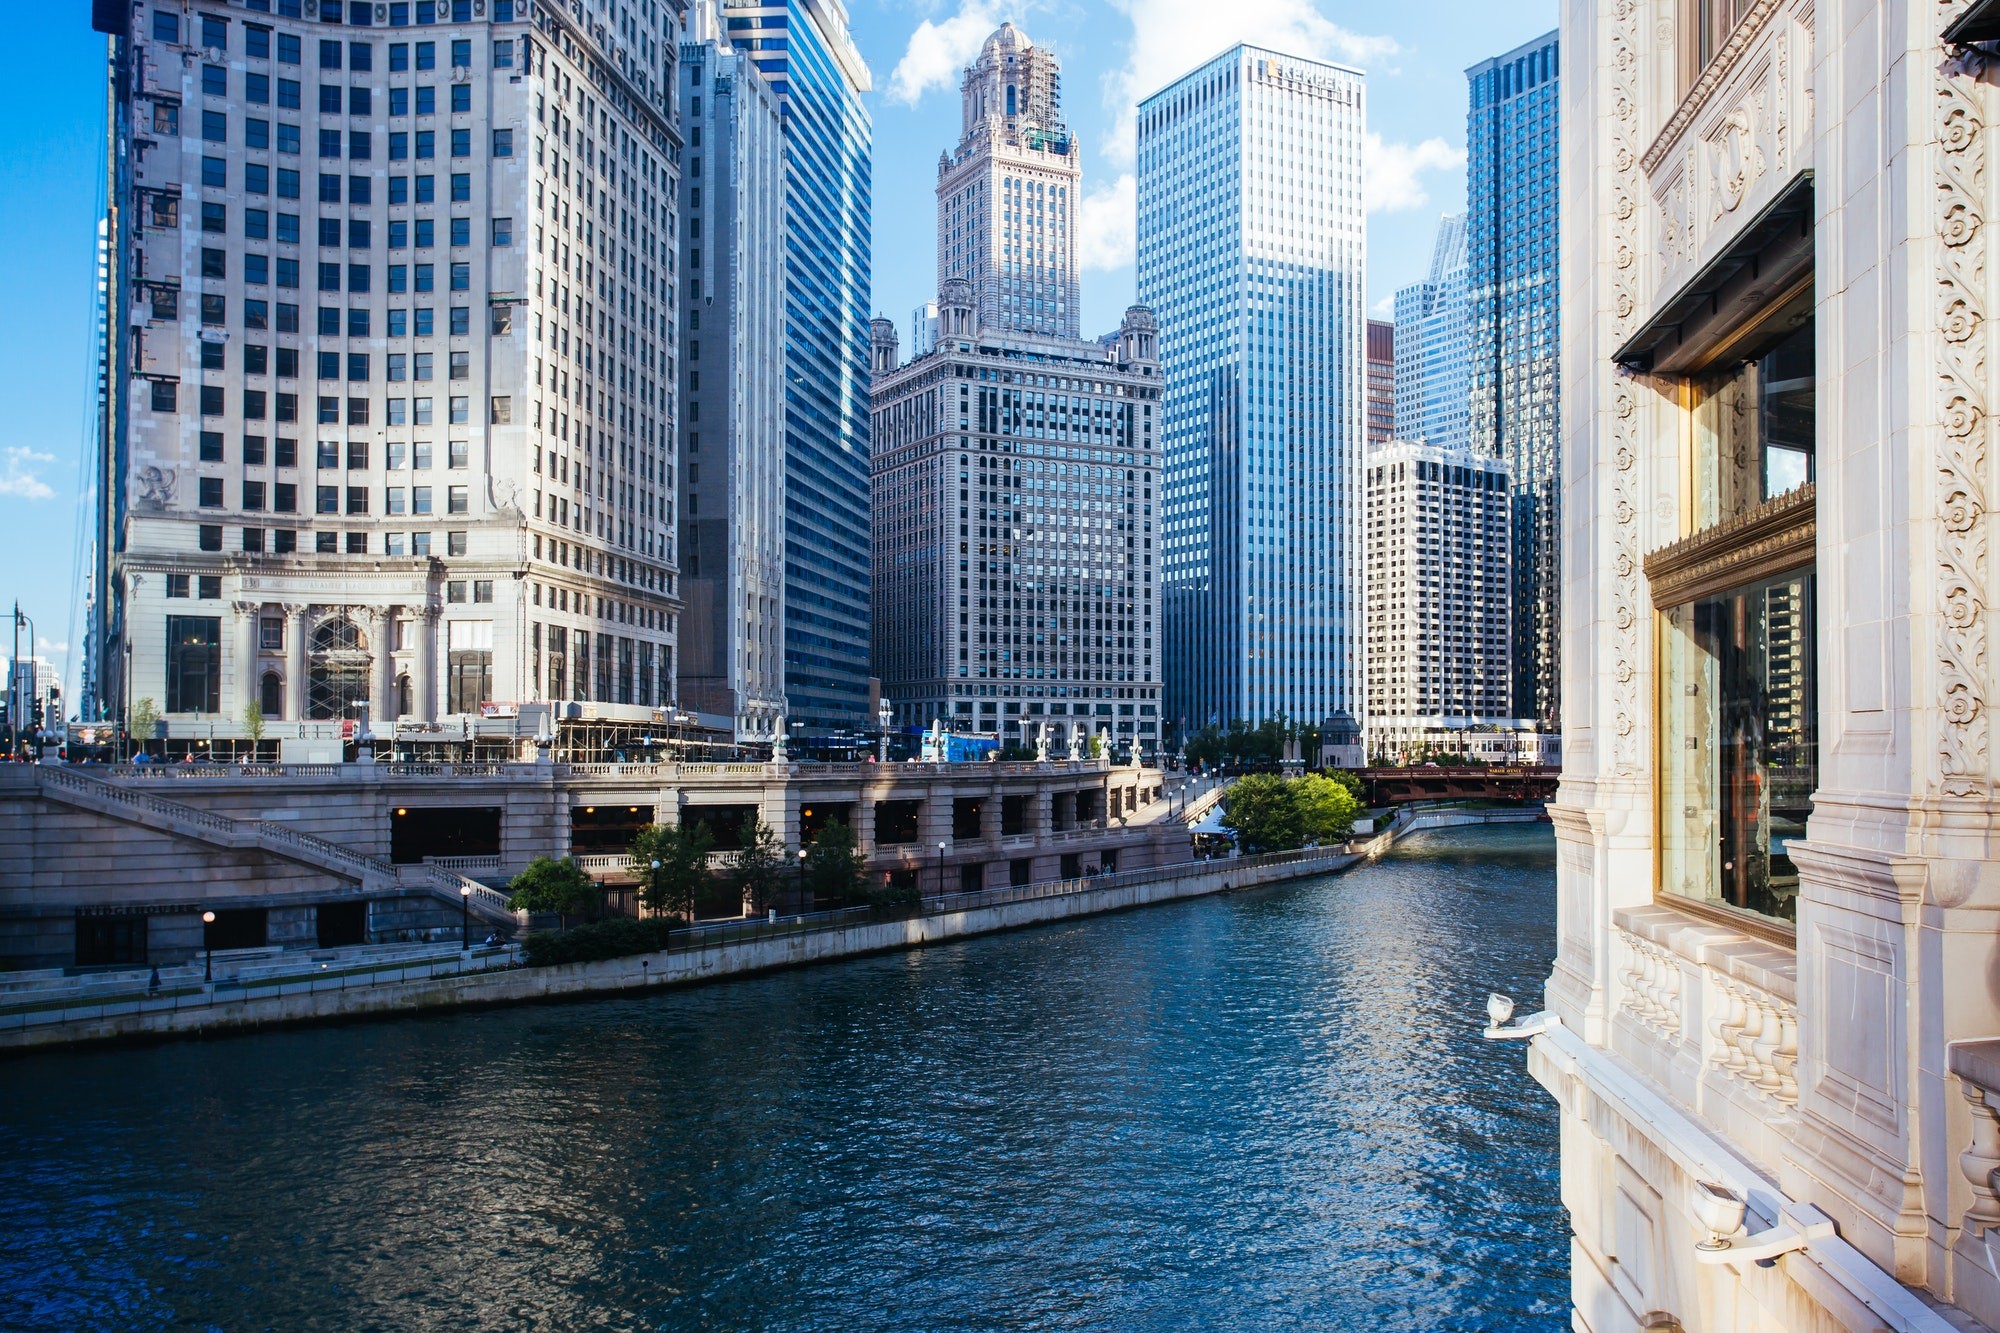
(266, 986)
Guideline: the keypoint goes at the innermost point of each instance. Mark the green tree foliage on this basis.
(549, 885)
(683, 873)
(1274, 814)
(253, 721)
(145, 721)
(760, 870)
(835, 868)
(1241, 745)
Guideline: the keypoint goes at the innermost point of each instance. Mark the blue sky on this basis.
(1113, 52)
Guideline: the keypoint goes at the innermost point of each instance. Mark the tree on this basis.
(144, 721)
(549, 885)
(683, 856)
(1326, 808)
(835, 867)
(759, 874)
(1263, 810)
(253, 723)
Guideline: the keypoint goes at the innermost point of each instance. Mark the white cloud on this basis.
(1105, 223)
(1392, 173)
(938, 51)
(20, 474)
(1384, 308)
(48, 647)
(1171, 37)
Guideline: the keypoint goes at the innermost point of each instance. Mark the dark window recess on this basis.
(1021, 872)
(606, 830)
(443, 830)
(971, 878)
(965, 818)
(1072, 865)
(815, 817)
(106, 941)
(342, 923)
(724, 823)
(1013, 817)
(238, 928)
(896, 821)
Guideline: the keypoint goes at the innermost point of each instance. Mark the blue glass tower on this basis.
(1251, 243)
(1512, 258)
(803, 48)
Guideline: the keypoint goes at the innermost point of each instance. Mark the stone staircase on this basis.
(371, 875)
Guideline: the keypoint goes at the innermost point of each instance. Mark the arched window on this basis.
(404, 695)
(337, 679)
(271, 696)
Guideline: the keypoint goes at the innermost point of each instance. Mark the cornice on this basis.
(1773, 537)
(1712, 77)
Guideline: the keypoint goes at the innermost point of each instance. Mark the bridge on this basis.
(1397, 786)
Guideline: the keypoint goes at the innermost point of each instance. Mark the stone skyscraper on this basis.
(1015, 467)
(390, 414)
(1007, 194)
(1250, 251)
(1512, 257)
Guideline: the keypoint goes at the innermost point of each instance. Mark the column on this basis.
(295, 662)
(246, 659)
(384, 686)
(423, 681)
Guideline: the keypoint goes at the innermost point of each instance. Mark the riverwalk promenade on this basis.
(48, 1009)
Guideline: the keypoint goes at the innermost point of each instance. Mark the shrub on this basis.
(619, 937)
(549, 885)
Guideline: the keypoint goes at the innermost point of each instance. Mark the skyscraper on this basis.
(1381, 381)
(390, 417)
(1015, 466)
(1437, 596)
(1511, 282)
(1433, 349)
(803, 48)
(732, 474)
(1250, 251)
(1007, 194)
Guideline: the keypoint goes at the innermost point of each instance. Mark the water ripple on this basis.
(1266, 1111)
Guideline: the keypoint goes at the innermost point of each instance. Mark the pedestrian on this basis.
(153, 982)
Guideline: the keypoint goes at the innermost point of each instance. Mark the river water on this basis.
(1268, 1110)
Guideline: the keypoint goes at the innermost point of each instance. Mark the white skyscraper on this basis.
(1250, 251)
(390, 422)
(1434, 347)
(1007, 194)
(1437, 597)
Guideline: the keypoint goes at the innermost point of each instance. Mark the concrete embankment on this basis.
(752, 949)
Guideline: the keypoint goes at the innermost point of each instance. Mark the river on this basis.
(1268, 1110)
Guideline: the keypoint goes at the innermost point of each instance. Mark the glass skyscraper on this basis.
(1432, 389)
(1511, 249)
(1250, 252)
(803, 48)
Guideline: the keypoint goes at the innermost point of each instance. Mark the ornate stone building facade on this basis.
(1779, 896)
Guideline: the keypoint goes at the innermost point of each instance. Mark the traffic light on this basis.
(53, 716)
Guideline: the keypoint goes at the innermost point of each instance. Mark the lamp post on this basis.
(465, 916)
(883, 714)
(802, 881)
(941, 847)
(208, 947)
(653, 884)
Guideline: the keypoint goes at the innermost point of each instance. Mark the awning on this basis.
(1770, 259)
(1979, 23)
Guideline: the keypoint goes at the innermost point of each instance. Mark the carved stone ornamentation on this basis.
(1963, 689)
(1628, 187)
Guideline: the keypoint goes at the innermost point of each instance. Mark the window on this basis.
(287, 452)
(357, 454)
(194, 664)
(425, 316)
(399, 193)
(357, 322)
(461, 363)
(255, 452)
(256, 224)
(461, 187)
(461, 324)
(329, 189)
(461, 143)
(214, 33)
(215, 126)
(360, 56)
(503, 143)
(420, 499)
(426, 55)
(459, 454)
(503, 411)
(360, 101)
(329, 55)
(427, 100)
(256, 41)
(166, 26)
(399, 57)
(211, 400)
(1737, 597)
(503, 231)
(288, 185)
(357, 499)
(257, 89)
(360, 190)
(211, 446)
(329, 104)
(214, 173)
(211, 492)
(257, 133)
(454, 543)
(285, 497)
(288, 89)
(329, 142)
(456, 500)
(426, 146)
(501, 319)
(208, 537)
(461, 231)
(211, 355)
(461, 277)
(214, 81)
(177, 585)
(460, 411)
(253, 495)
(461, 98)
(396, 500)
(288, 49)
(454, 591)
(461, 55)
(326, 500)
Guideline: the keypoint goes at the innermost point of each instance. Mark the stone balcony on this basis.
(1975, 1279)
(1709, 1014)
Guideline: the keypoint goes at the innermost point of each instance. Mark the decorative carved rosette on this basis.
(1628, 188)
(1961, 491)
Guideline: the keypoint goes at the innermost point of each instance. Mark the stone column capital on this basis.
(246, 608)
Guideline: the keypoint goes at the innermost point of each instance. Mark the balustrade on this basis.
(1977, 1064)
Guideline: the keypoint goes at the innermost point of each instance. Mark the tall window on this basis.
(194, 664)
(271, 697)
(337, 672)
(471, 681)
(1738, 716)
(1705, 28)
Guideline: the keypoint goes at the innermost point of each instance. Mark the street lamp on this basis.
(208, 947)
(465, 916)
(941, 847)
(802, 881)
(653, 884)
